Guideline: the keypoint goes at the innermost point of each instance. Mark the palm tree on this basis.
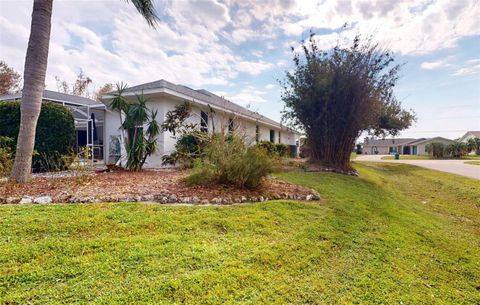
(34, 79)
(136, 116)
(473, 144)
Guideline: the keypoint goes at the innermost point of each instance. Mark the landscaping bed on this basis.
(163, 186)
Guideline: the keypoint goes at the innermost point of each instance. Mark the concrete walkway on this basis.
(450, 166)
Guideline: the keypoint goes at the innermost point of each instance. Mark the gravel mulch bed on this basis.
(163, 186)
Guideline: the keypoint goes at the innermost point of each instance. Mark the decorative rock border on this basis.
(162, 198)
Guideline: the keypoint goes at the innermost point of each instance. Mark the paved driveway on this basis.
(450, 166)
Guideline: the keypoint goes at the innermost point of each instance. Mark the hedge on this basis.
(278, 149)
(55, 136)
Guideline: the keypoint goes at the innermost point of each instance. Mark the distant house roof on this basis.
(204, 96)
(476, 134)
(401, 141)
(54, 96)
(424, 140)
(387, 142)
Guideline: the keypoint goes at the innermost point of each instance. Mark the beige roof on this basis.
(476, 134)
(424, 140)
(388, 142)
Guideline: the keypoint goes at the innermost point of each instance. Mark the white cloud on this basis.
(270, 86)
(431, 65)
(195, 40)
(409, 27)
(471, 67)
(247, 96)
(119, 46)
(253, 68)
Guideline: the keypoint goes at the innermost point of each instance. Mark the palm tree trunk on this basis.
(34, 82)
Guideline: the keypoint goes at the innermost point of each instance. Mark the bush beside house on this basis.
(228, 160)
(275, 149)
(55, 135)
(6, 155)
(442, 150)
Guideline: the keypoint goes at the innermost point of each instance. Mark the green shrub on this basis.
(6, 156)
(228, 160)
(437, 150)
(268, 146)
(274, 149)
(188, 148)
(457, 149)
(282, 150)
(441, 150)
(55, 134)
(473, 144)
(203, 172)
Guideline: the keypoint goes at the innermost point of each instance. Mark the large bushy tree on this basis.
(9, 79)
(34, 79)
(335, 95)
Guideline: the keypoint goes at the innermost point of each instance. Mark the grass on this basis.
(396, 234)
(413, 157)
(472, 162)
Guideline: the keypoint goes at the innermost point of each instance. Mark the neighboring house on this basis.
(404, 146)
(469, 135)
(88, 115)
(163, 96)
(385, 146)
(417, 147)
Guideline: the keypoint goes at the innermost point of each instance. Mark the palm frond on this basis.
(118, 101)
(147, 10)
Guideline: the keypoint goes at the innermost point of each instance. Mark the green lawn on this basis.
(472, 162)
(413, 157)
(395, 235)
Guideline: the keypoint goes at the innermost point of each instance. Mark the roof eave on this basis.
(197, 101)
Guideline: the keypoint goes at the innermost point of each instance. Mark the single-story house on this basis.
(417, 147)
(88, 115)
(163, 96)
(469, 135)
(404, 146)
(98, 127)
(385, 146)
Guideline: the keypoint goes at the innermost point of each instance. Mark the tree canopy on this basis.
(335, 95)
(9, 79)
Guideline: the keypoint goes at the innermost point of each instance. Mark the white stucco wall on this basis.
(166, 140)
(111, 128)
(382, 150)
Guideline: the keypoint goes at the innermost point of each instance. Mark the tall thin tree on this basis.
(34, 79)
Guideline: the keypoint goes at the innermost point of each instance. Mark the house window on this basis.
(257, 133)
(204, 121)
(230, 125)
(279, 137)
(272, 135)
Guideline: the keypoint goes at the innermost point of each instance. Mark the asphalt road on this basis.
(450, 166)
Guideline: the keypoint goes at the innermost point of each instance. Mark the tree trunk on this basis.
(34, 82)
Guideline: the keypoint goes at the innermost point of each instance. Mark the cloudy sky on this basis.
(239, 49)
